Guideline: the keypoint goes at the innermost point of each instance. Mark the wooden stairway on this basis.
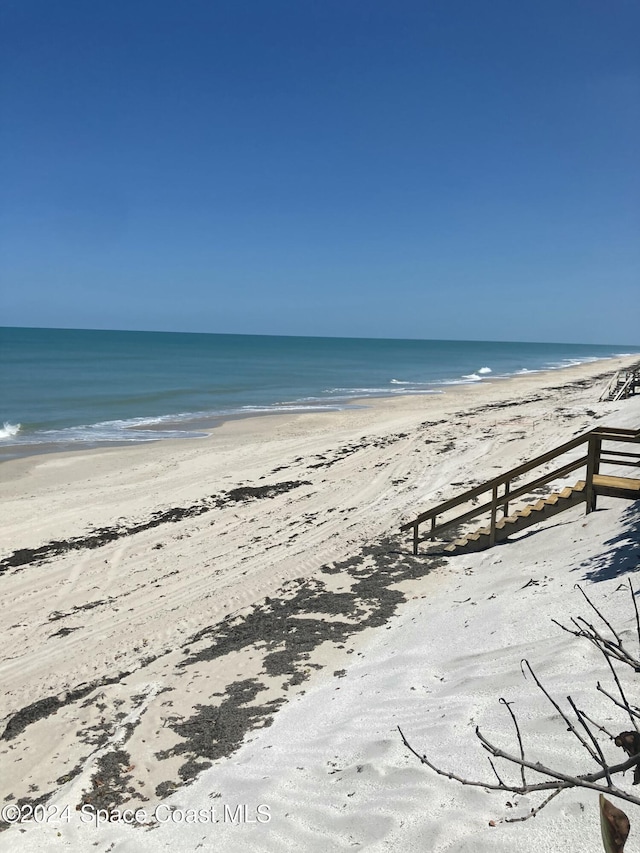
(531, 514)
(507, 488)
(624, 384)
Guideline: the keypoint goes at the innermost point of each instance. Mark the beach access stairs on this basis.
(590, 451)
(625, 383)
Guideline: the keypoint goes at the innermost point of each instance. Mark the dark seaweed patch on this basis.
(289, 628)
(24, 801)
(19, 721)
(64, 632)
(349, 449)
(104, 535)
(285, 629)
(109, 786)
(213, 732)
(58, 614)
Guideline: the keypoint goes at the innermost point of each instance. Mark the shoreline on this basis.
(201, 426)
(373, 402)
(206, 587)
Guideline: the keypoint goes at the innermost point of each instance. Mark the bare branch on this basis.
(560, 781)
(598, 726)
(515, 723)
(631, 710)
(423, 758)
(616, 648)
(535, 811)
(593, 607)
(587, 780)
(570, 725)
(632, 716)
(493, 767)
(590, 632)
(601, 759)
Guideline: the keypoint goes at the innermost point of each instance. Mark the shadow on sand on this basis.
(621, 554)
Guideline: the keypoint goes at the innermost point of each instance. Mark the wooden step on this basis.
(526, 512)
(617, 487)
(533, 513)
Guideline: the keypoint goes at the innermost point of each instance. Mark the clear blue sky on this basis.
(430, 169)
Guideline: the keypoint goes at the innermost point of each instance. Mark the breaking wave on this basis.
(9, 430)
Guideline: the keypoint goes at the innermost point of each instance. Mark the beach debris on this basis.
(98, 537)
(111, 782)
(41, 709)
(614, 826)
(283, 631)
(630, 742)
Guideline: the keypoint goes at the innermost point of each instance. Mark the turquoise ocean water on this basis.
(75, 388)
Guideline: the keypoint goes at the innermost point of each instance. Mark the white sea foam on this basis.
(409, 382)
(476, 377)
(280, 408)
(357, 391)
(347, 394)
(573, 362)
(9, 430)
(132, 430)
(417, 391)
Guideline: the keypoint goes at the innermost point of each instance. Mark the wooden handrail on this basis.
(508, 497)
(592, 460)
(623, 383)
(500, 479)
(610, 432)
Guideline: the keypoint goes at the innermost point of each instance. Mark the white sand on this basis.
(331, 768)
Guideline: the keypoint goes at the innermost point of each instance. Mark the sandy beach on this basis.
(236, 621)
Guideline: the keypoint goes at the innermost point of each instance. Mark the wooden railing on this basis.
(501, 490)
(624, 384)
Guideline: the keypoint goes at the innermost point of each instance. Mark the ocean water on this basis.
(62, 388)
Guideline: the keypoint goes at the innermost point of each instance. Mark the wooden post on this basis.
(494, 510)
(593, 466)
(415, 540)
(507, 488)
